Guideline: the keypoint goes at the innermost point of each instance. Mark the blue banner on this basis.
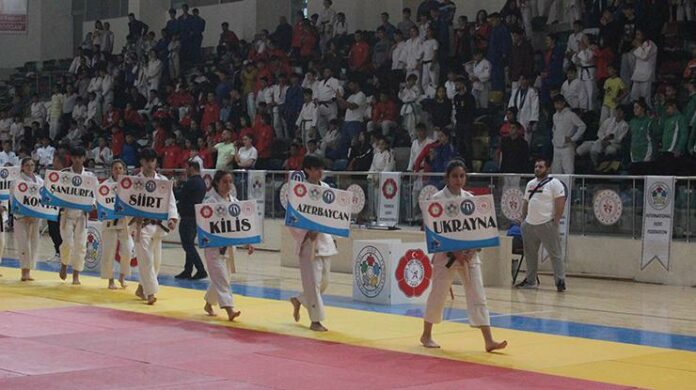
(51, 214)
(209, 240)
(50, 199)
(106, 214)
(122, 209)
(295, 219)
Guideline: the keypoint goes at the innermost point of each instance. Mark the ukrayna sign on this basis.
(227, 224)
(25, 200)
(143, 197)
(318, 208)
(69, 190)
(460, 223)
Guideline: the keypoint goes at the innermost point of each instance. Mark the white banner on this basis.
(564, 225)
(320, 209)
(460, 223)
(25, 199)
(227, 224)
(69, 190)
(658, 218)
(143, 197)
(256, 190)
(7, 176)
(388, 198)
(106, 201)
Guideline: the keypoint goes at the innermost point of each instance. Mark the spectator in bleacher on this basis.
(410, 96)
(38, 111)
(360, 153)
(263, 134)
(107, 41)
(102, 153)
(406, 23)
(514, 150)
(525, 100)
(574, 91)
(246, 155)
(568, 129)
(521, 57)
(552, 73)
(442, 153)
(440, 109)
(645, 53)
(614, 93)
(44, 153)
(295, 158)
(136, 28)
(7, 156)
(464, 113)
(384, 114)
(417, 146)
(480, 75)
(198, 27)
(55, 112)
(131, 151)
(673, 136)
(609, 139)
(355, 106)
(585, 60)
(383, 157)
(429, 60)
(498, 52)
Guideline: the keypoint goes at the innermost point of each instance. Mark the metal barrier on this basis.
(582, 218)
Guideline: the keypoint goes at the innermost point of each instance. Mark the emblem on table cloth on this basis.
(283, 195)
(369, 271)
(435, 210)
(413, 273)
(206, 212)
(358, 200)
(511, 203)
(389, 188)
(76, 181)
(658, 195)
(94, 249)
(607, 207)
(328, 197)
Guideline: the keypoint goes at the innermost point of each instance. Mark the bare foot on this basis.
(490, 347)
(231, 314)
(63, 274)
(209, 309)
(318, 327)
(151, 300)
(76, 278)
(296, 305)
(26, 279)
(139, 292)
(428, 342)
(112, 285)
(122, 281)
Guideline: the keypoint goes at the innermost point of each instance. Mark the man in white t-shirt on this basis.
(544, 201)
(355, 107)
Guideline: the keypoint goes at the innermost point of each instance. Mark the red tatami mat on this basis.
(97, 348)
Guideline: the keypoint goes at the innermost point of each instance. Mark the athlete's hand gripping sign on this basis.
(320, 209)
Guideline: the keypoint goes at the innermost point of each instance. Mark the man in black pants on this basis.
(192, 193)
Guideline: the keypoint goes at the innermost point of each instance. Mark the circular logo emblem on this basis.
(369, 271)
(22, 187)
(358, 201)
(93, 256)
(300, 190)
(413, 273)
(126, 183)
(150, 186)
(452, 209)
(328, 197)
(297, 176)
(468, 207)
(4, 173)
(53, 176)
(206, 211)
(511, 203)
(658, 196)
(221, 211)
(608, 207)
(283, 195)
(104, 190)
(389, 188)
(76, 181)
(314, 194)
(234, 210)
(435, 210)
(427, 192)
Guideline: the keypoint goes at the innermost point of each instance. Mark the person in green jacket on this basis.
(691, 123)
(673, 136)
(642, 130)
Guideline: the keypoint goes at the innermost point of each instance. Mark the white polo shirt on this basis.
(540, 206)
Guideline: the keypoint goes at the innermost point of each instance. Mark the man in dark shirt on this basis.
(514, 151)
(464, 113)
(136, 28)
(192, 193)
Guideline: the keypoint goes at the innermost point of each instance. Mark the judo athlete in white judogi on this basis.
(220, 261)
(73, 226)
(467, 265)
(149, 234)
(314, 250)
(116, 235)
(26, 229)
(568, 130)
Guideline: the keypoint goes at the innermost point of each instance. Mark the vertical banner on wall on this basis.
(256, 190)
(388, 198)
(13, 16)
(658, 215)
(564, 226)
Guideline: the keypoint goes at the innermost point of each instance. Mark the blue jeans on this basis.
(187, 231)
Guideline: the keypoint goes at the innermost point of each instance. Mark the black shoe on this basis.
(526, 285)
(560, 286)
(183, 275)
(199, 275)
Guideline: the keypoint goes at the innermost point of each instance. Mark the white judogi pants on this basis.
(219, 270)
(315, 280)
(472, 280)
(563, 160)
(73, 231)
(148, 250)
(430, 74)
(595, 149)
(325, 113)
(642, 89)
(110, 240)
(27, 240)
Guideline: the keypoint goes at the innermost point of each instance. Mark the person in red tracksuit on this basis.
(171, 156)
(117, 141)
(359, 57)
(263, 134)
(211, 112)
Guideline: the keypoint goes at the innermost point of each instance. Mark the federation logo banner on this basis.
(7, 176)
(389, 197)
(143, 197)
(460, 223)
(320, 209)
(25, 200)
(227, 224)
(106, 201)
(658, 220)
(69, 190)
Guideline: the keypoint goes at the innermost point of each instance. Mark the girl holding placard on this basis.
(27, 228)
(115, 232)
(220, 260)
(464, 263)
